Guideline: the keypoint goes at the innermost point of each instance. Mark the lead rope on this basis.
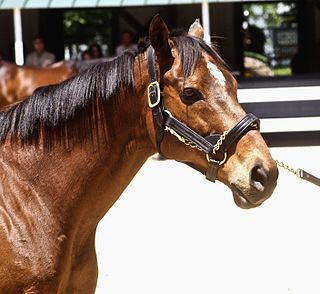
(300, 173)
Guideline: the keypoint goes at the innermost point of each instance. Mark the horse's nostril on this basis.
(259, 178)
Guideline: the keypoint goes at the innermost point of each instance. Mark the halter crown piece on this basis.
(210, 145)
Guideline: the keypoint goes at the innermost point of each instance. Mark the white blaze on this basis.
(216, 72)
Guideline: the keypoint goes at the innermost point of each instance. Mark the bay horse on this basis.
(69, 150)
(19, 82)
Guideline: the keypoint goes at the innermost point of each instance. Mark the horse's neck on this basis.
(83, 182)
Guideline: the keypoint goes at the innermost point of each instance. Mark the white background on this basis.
(187, 236)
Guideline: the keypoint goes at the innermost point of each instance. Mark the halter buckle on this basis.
(225, 156)
(153, 89)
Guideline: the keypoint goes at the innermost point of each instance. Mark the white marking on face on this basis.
(216, 72)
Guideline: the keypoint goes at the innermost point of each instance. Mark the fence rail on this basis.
(290, 116)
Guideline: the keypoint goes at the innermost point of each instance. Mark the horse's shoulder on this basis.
(28, 253)
(32, 239)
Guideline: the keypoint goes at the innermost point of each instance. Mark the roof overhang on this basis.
(36, 4)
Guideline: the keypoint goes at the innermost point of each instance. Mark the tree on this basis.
(86, 27)
(265, 15)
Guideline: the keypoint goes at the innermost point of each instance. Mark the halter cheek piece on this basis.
(210, 145)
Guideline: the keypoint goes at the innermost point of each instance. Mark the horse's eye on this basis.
(190, 96)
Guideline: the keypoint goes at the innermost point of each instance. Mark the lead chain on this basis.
(193, 145)
(285, 166)
(220, 142)
(182, 139)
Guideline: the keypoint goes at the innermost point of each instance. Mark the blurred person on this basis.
(126, 43)
(40, 57)
(95, 51)
(85, 55)
(254, 40)
(255, 59)
(299, 64)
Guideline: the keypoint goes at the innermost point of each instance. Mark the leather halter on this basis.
(164, 121)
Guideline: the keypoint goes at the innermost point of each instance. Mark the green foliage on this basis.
(270, 14)
(87, 26)
(282, 71)
(256, 56)
(261, 23)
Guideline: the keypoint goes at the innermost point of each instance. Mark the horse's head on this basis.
(199, 91)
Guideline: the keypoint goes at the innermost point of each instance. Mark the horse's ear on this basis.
(159, 35)
(196, 29)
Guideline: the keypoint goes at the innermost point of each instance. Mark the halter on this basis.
(210, 145)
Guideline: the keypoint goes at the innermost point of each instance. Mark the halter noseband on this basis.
(210, 145)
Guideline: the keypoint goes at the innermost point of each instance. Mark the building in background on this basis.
(256, 38)
(272, 47)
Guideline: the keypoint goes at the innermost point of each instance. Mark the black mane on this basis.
(51, 111)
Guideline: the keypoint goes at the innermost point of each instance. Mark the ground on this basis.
(173, 232)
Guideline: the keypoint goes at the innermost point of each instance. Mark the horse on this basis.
(69, 150)
(18, 82)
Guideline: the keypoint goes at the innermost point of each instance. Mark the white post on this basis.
(18, 43)
(206, 20)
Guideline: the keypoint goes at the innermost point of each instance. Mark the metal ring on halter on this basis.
(221, 162)
(169, 113)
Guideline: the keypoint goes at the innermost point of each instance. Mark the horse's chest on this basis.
(28, 258)
(32, 244)
(29, 264)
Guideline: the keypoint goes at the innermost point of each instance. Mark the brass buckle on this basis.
(152, 85)
(222, 161)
